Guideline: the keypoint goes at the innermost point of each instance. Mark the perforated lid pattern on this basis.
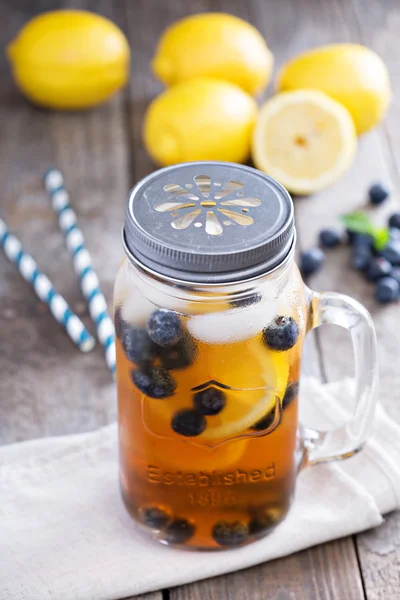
(209, 222)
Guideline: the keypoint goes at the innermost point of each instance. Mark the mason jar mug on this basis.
(211, 315)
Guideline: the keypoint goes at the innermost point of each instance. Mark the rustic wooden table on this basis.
(48, 388)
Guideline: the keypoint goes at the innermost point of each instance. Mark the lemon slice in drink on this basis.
(242, 415)
(304, 139)
(251, 377)
(262, 372)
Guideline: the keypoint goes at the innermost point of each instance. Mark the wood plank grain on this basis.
(379, 29)
(379, 558)
(329, 572)
(338, 568)
(379, 549)
(47, 386)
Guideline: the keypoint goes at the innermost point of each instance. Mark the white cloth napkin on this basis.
(65, 533)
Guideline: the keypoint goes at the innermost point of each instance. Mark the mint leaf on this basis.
(381, 237)
(357, 222)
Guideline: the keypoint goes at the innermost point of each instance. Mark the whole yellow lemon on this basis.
(352, 74)
(200, 119)
(69, 59)
(216, 45)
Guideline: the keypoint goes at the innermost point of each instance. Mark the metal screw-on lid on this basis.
(209, 222)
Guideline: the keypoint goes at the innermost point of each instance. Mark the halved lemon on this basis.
(304, 139)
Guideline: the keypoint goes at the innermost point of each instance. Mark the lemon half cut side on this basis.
(304, 139)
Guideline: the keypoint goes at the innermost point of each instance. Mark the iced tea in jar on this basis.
(211, 315)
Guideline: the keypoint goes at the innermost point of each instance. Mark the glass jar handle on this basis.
(330, 308)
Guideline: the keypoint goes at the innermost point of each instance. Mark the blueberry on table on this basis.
(359, 239)
(180, 356)
(378, 267)
(230, 534)
(292, 391)
(361, 257)
(394, 220)
(392, 252)
(363, 239)
(395, 274)
(179, 531)
(164, 327)
(265, 422)
(311, 261)
(210, 401)
(330, 238)
(387, 290)
(154, 517)
(394, 234)
(247, 301)
(188, 422)
(281, 334)
(154, 382)
(137, 345)
(378, 193)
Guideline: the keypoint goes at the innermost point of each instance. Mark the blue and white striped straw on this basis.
(89, 282)
(44, 289)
